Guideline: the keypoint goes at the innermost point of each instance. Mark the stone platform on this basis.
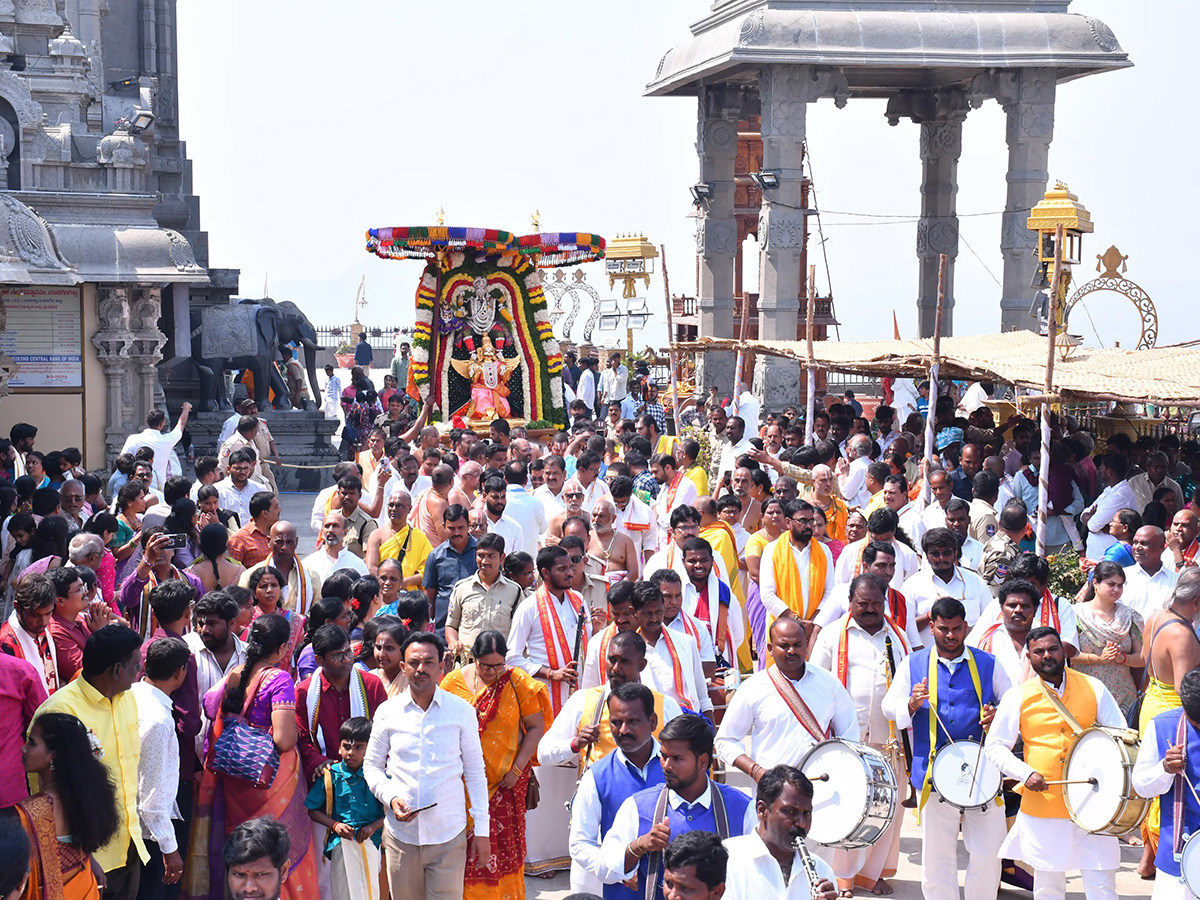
(303, 438)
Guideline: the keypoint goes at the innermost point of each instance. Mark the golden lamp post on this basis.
(629, 258)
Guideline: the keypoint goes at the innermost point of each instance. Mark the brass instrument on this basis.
(810, 867)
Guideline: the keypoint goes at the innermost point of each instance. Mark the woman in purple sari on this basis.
(224, 803)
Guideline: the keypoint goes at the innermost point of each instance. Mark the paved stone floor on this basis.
(298, 507)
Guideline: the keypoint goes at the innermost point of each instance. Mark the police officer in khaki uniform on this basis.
(1004, 547)
(986, 488)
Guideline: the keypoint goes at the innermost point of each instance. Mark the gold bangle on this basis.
(632, 848)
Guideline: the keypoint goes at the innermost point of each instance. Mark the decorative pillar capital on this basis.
(780, 229)
(923, 106)
(716, 237)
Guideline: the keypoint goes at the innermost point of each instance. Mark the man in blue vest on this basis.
(632, 767)
(632, 852)
(1171, 748)
(965, 684)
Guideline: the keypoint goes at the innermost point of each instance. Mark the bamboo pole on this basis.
(1051, 335)
(736, 406)
(943, 264)
(809, 368)
(676, 399)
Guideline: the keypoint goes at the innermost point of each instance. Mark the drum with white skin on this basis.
(964, 777)
(854, 794)
(1099, 791)
(1189, 864)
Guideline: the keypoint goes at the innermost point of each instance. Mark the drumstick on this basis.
(978, 757)
(1092, 781)
(825, 777)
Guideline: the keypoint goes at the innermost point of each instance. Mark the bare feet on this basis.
(881, 889)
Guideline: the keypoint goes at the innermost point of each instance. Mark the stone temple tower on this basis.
(933, 61)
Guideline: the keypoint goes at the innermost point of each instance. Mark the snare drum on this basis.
(956, 779)
(1189, 864)
(1110, 806)
(854, 806)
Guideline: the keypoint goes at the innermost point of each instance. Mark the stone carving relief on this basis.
(31, 236)
(937, 236)
(720, 135)
(716, 237)
(784, 229)
(113, 338)
(1105, 39)
(941, 139)
(181, 252)
(121, 149)
(38, 12)
(15, 90)
(1015, 236)
(786, 92)
(948, 105)
(753, 28)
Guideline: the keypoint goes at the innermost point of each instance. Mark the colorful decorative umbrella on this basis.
(552, 249)
(425, 241)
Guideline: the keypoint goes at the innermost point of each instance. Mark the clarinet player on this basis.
(772, 860)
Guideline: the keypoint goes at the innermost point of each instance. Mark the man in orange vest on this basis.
(1047, 712)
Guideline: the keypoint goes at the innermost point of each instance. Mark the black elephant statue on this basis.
(251, 335)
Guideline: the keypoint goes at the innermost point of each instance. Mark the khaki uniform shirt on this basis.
(358, 530)
(998, 555)
(983, 521)
(475, 608)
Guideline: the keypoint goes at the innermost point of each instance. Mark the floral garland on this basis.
(427, 241)
(554, 249)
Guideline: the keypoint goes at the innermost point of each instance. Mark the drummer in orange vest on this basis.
(1047, 712)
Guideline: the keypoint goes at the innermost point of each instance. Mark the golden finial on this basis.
(441, 214)
(1061, 185)
(537, 219)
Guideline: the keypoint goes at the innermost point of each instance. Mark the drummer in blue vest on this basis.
(965, 684)
(1171, 748)
(645, 824)
(632, 767)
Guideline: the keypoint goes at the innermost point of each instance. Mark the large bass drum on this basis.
(1189, 864)
(1102, 799)
(854, 794)
(964, 777)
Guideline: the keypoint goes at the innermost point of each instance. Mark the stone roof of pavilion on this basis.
(885, 46)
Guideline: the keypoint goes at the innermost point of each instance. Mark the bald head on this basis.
(1184, 528)
(333, 529)
(995, 465)
(1148, 545)
(707, 507)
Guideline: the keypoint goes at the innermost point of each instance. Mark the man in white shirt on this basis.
(676, 490)
(958, 520)
(495, 502)
(881, 526)
(669, 582)
(747, 408)
(852, 472)
(156, 439)
(332, 554)
(635, 519)
(166, 669)
(542, 642)
(942, 490)
(779, 732)
(766, 862)
(424, 745)
(879, 559)
(1057, 612)
(1005, 639)
(673, 666)
(301, 588)
(587, 473)
(1148, 583)
(709, 598)
(524, 509)
(735, 444)
(325, 499)
(1118, 495)
(942, 577)
(554, 474)
(585, 390)
(236, 490)
(614, 380)
(333, 393)
(1043, 835)
(215, 647)
(798, 543)
(1145, 485)
(874, 650)
(895, 498)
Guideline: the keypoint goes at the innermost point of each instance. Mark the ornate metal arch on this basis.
(559, 289)
(1112, 280)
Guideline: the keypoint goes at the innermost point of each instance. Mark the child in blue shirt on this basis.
(341, 801)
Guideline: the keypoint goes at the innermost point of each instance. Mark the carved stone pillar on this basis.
(145, 307)
(937, 229)
(716, 230)
(112, 342)
(785, 92)
(1028, 99)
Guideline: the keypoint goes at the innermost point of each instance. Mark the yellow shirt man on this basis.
(416, 549)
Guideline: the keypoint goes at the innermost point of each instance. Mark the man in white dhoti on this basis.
(1043, 835)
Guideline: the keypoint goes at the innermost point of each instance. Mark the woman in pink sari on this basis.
(266, 585)
(223, 803)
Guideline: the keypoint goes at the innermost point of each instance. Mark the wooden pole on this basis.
(735, 406)
(676, 399)
(943, 264)
(809, 367)
(1051, 335)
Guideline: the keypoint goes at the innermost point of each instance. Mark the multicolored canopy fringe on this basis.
(424, 241)
(552, 249)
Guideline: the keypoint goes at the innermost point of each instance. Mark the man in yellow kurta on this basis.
(101, 700)
(720, 537)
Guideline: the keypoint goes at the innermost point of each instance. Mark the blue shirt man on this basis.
(363, 354)
(445, 567)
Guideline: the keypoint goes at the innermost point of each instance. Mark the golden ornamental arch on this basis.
(1111, 279)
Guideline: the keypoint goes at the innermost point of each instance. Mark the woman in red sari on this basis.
(223, 803)
(513, 709)
(73, 816)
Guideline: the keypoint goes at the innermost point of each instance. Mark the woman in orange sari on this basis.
(74, 815)
(514, 712)
(223, 803)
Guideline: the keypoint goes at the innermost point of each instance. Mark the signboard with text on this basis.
(41, 329)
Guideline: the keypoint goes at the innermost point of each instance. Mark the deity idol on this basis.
(488, 374)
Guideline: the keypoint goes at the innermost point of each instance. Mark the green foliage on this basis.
(1066, 578)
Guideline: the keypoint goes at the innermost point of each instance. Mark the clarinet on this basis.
(584, 613)
(810, 867)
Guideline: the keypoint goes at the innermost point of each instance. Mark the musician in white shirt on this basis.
(941, 577)
(685, 525)
(673, 666)
(864, 651)
(702, 593)
(765, 863)
(958, 520)
(671, 585)
(1051, 843)
(1005, 639)
(880, 561)
(881, 526)
(635, 519)
(1059, 614)
(782, 730)
(677, 491)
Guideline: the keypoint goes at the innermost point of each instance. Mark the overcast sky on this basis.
(309, 122)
